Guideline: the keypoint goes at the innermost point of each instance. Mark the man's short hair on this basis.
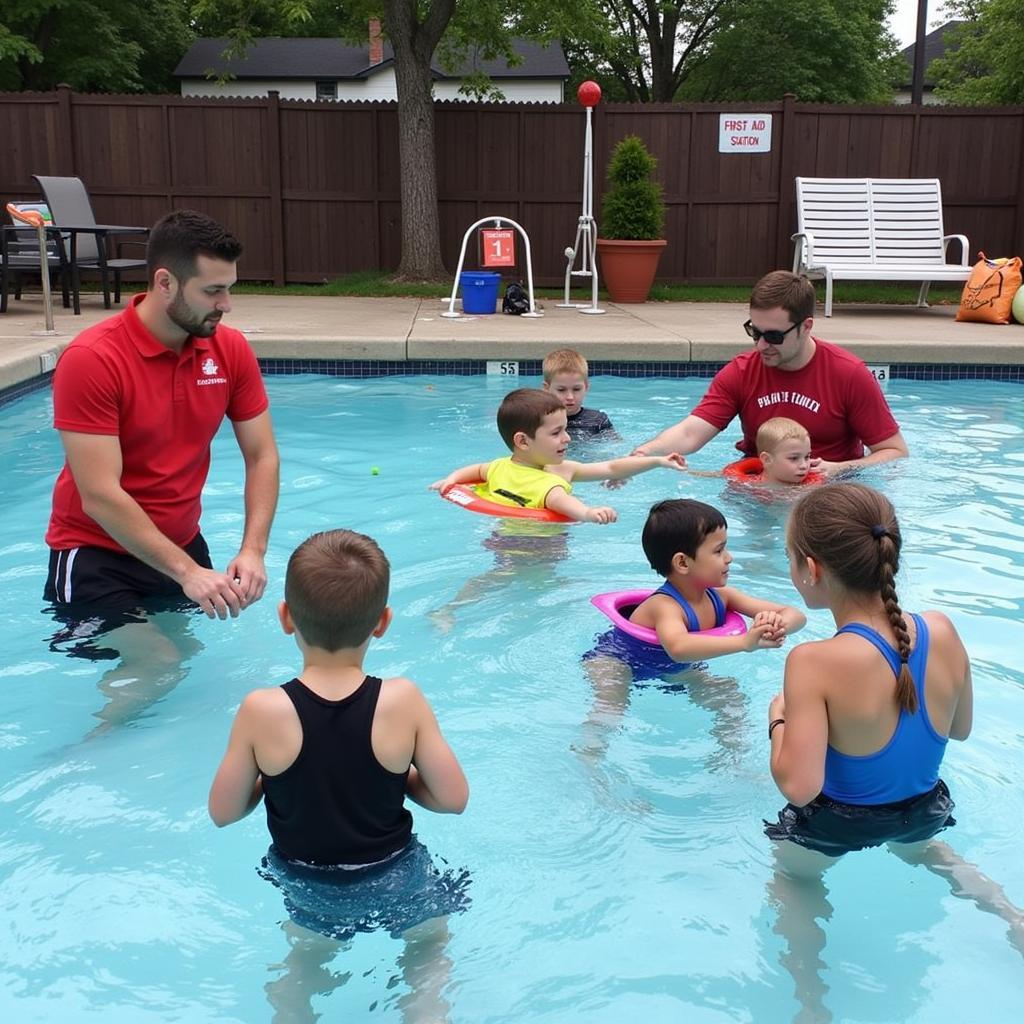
(678, 525)
(336, 588)
(524, 410)
(564, 360)
(178, 238)
(773, 432)
(792, 292)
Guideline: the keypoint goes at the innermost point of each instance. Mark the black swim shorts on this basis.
(835, 828)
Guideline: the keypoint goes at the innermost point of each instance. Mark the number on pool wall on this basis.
(881, 374)
(503, 367)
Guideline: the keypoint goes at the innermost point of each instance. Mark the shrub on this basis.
(632, 208)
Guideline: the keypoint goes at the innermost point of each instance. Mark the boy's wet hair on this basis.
(773, 432)
(524, 410)
(336, 588)
(781, 288)
(678, 525)
(564, 360)
(852, 531)
(179, 238)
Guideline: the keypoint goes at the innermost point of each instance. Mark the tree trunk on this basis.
(414, 44)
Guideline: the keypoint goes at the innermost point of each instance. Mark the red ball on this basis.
(589, 94)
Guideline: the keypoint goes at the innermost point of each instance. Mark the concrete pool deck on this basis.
(287, 327)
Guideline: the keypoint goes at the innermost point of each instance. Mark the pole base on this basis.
(45, 334)
(592, 310)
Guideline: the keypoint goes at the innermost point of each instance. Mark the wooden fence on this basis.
(312, 188)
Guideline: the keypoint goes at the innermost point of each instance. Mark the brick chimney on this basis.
(376, 42)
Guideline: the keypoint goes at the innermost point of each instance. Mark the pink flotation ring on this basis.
(466, 495)
(751, 471)
(619, 603)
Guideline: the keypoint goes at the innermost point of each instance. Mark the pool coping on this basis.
(684, 339)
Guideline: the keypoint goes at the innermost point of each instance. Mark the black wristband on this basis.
(774, 722)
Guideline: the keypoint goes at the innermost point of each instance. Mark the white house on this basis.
(330, 69)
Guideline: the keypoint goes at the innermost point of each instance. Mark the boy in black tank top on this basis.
(334, 752)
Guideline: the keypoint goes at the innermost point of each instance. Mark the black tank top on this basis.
(336, 803)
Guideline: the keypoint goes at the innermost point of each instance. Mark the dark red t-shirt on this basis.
(834, 397)
(115, 378)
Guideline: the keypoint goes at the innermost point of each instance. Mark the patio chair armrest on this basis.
(804, 247)
(120, 246)
(964, 247)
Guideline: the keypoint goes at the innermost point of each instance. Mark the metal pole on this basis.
(917, 88)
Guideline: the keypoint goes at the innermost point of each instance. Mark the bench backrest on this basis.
(872, 220)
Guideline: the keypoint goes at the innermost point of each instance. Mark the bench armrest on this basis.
(804, 247)
(964, 248)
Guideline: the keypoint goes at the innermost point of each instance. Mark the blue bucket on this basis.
(479, 291)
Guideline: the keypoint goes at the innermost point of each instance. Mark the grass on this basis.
(378, 284)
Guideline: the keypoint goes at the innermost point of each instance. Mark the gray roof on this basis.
(317, 58)
(934, 47)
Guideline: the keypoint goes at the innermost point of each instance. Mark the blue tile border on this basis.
(532, 368)
(364, 368)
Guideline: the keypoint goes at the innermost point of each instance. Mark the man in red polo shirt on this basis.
(831, 393)
(137, 400)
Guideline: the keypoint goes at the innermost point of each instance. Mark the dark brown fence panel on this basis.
(312, 189)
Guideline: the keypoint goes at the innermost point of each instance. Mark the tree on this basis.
(641, 51)
(827, 51)
(415, 29)
(984, 61)
(93, 45)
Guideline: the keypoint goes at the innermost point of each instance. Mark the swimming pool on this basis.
(618, 866)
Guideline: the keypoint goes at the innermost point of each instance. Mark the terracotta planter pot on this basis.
(628, 268)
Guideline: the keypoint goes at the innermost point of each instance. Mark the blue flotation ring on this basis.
(641, 642)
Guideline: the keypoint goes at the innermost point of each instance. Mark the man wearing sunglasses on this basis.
(790, 373)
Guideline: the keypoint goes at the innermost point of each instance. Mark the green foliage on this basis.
(93, 45)
(632, 208)
(984, 62)
(825, 51)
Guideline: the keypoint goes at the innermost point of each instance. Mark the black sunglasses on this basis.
(772, 337)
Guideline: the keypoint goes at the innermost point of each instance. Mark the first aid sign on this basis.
(744, 133)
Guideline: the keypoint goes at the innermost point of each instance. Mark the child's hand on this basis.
(601, 514)
(438, 485)
(760, 635)
(775, 623)
(672, 461)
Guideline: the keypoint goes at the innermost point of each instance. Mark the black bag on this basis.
(516, 300)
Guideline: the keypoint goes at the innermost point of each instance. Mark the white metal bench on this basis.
(873, 229)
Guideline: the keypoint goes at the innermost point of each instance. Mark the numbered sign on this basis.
(502, 368)
(499, 247)
(881, 374)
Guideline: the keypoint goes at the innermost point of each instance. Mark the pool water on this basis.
(618, 867)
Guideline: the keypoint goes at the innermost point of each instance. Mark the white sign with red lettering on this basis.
(744, 133)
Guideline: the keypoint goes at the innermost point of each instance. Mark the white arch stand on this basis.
(498, 221)
(585, 245)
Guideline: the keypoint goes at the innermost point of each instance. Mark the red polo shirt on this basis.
(115, 378)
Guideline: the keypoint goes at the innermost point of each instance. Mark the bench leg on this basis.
(922, 295)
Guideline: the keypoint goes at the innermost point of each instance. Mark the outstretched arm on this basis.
(465, 475)
(686, 436)
(783, 619)
(627, 466)
(560, 500)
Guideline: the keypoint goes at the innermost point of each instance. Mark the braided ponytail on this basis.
(888, 560)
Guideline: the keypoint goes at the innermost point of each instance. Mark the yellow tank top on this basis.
(526, 483)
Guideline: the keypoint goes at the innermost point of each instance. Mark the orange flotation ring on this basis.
(751, 471)
(466, 495)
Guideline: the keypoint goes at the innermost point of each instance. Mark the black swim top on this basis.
(587, 423)
(336, 803)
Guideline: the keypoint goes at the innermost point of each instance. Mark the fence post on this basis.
(273, 158)
(787, 169)
(66, 132)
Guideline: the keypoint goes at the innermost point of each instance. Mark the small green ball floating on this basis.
(375, 471)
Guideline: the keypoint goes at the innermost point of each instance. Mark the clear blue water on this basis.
(619, 870)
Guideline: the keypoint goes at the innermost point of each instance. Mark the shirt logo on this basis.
(210, 368)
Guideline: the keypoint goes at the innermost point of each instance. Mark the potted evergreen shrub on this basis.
(632, 215)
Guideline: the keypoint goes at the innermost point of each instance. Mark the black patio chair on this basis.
(19, 255)
(85, 240)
